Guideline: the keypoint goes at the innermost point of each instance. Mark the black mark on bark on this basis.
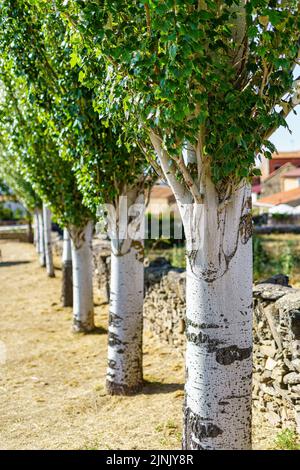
(230, 354)
(203, 339)
(199, 428)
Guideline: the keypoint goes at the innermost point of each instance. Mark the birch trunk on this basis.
(30, 228)
(83, 306)
(36, 229)
(41, 240)
(219, 322)
(47, 241)
(67, 281)
(125, 371)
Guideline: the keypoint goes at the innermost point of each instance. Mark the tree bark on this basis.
(36, 230)
(41, 240)
(125, 371)
(83, 306)
(30, 229)
(67, 281)
(218, 387)
(47, 241)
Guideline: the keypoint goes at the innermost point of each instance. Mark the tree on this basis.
(210, 82)
(67, 284)
(106, 167)
(47, 240)
(12, 180)
(28, 144)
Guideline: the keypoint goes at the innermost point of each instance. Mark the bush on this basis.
(261, 259)
(5, 213)
(287, 440)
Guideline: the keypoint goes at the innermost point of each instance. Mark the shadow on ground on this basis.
(151, 388)
(7, 264)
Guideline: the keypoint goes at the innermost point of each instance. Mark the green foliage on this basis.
(5, 213)
(271, 256)
(8, 214)
(261, 258)
(211, 73)
(287, 259)
(287, 439)
(4, 189)
(95, 153)
(281, 217)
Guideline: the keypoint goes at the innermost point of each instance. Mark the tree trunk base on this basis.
(51, 275)
(113, 388)
(80, 327)
(67, 288)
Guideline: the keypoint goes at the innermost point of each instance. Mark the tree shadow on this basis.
(98, 330)
(100, 304)
(7, 264)
(152, 388)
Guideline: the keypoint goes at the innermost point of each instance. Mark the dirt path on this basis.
(52, 393)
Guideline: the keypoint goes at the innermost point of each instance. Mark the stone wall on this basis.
(276, 329)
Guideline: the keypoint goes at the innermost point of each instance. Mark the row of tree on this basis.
(95, 93)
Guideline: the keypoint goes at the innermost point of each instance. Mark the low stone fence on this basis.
(276, 329)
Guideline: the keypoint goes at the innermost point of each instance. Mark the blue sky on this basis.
(283, 140)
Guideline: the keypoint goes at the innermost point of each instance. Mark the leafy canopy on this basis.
(39, 43)
(216, 74)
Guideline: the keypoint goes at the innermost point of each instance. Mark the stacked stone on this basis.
(164, 305)
(276, 377)
(101, 258)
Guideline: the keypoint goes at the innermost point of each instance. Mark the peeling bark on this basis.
(83, 306)
(47, 241)
(124, 372)
(67, 278)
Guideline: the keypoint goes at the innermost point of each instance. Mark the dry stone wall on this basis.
(276, 331)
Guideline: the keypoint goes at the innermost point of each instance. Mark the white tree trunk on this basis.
(47, 241)
(219, 321)
(36, 229)
(41, 240)
(83, 306)
(67, 282)
(125, 371)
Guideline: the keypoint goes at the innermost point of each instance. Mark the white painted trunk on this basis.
(83, 306)
(36, 229)
(67, 282)
(218, 322)
(47, 241)
(41, 240)
(125, 371)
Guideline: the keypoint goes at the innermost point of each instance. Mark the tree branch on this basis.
(189, 181)
(148, 19)
(287, 106)
(176, 186)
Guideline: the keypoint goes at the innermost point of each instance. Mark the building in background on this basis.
(291, 179)
(162, 200)
(278, 160)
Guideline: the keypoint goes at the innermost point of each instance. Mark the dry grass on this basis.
(52, 393)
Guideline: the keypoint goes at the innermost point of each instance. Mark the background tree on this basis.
(29, 144)
(210, 82)
(105, 166)
(13, 181)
